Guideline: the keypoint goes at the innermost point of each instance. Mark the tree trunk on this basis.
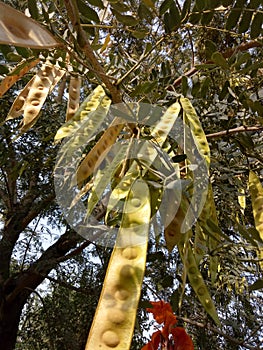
(9, 321)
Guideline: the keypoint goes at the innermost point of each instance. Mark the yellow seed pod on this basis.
(192, 120)
(195, 278)
(96, 155)
(113, 324)
(74, 94)
(166, 123)
(256, 192)
(90, 104)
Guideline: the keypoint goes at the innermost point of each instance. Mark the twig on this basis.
(228, 53)
(140, 61)
(235, 131)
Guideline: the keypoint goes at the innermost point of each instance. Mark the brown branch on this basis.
(235, 131)
(217, 331)
(228, 53)
(84, 44)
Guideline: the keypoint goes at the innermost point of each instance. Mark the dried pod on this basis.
(73, 98)
(20, 30)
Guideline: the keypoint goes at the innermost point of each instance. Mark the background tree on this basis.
(147, 51)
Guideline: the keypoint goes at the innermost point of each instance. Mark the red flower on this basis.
(180, 340)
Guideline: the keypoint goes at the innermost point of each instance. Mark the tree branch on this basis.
(217, 331)
(84, 44)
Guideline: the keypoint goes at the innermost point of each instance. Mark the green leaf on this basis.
(227, 3)
(256, 286)
(233, 18)
(256, 26)
(127, 20)
(186, 9)
(245, 21)
(207, 18)
(200, 5)
(32, 6)
(165, 5)
(3, 69)
(97, 3)
(218, 58)
(139, 34)
(13, 57)
(87, 12)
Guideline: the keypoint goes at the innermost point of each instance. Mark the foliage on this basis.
(202, 61)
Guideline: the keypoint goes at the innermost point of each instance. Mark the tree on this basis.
(202, 61)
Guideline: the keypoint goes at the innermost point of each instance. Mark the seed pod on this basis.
(98, 152)
(17, 107)
(19, 30)
(196, 279)
(14, 76)
(207, 216)
(73, 98)
(114, 320)
(256, 192)
(44, 81)
(90, 104)
(192, 120)
(172, 233)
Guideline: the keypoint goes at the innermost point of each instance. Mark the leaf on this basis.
(24, 31)
(256, 26)
(106, 43)
(114, 319)
(235, 14)
(87, 12)
(186, 9)
(127, 20)
(219, 59)
(32, 6)
(98, 3)
(245, 21)
(74, 95)
(165, 5)
(256, 285)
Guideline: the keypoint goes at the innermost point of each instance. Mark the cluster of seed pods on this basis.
(114, 320)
